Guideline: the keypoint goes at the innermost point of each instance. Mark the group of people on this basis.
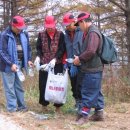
(81, 42)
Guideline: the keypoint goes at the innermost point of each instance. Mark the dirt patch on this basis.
(117, 118)
(7, 124)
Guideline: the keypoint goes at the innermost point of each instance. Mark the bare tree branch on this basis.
(112, 16)
(118, 5)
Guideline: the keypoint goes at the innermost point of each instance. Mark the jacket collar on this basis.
(9, 32)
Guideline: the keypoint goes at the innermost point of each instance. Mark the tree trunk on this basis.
(14, 8)
(9, 10)
(6, 16)
(98, 15)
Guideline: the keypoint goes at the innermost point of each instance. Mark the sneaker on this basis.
(97, 116)
(12, 111)
(22, 109)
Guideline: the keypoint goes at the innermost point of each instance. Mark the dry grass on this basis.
(116, 88)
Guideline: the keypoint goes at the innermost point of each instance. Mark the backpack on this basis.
(107, 52)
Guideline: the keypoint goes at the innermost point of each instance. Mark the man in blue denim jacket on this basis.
(73, 41)
(15, 52)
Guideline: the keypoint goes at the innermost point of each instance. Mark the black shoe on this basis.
(82, 120)
(78, 117)
(97, 116)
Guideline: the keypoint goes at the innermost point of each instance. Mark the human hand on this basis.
(76, 60)
(37, 63)
(14, 68)
(30, 64)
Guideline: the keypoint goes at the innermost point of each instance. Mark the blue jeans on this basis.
(91, 91)
(13, 91)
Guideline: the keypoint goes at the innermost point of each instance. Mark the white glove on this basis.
(37, 60)
(37, 63)
(52, 63)
(44, 67)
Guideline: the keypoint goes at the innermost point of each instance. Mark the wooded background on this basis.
(111, 16)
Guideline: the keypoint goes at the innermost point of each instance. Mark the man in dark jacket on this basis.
(73, 41)
(15, 54)
(50, 49)
(90, 75)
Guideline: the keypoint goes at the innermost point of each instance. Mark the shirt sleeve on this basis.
(61, 47)
(90, 51)
(39, 46)
(4, 50)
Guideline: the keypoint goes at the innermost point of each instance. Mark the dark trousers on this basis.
(42, 84)
(75, 87)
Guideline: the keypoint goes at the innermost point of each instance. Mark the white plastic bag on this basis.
(56, 87)
(37, 63)
(45, 67)
(20, 75)
(52, 63)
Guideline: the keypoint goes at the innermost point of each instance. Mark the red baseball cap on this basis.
(50, 22)
(18, 22)
(68, 19)
(82, 16)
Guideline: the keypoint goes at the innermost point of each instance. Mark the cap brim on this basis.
(50, 26)
(19, 27)
(66, 24)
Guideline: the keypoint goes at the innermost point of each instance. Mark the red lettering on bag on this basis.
(56, 88)
(50, 87)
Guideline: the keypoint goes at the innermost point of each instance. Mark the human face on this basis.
(71, 27)
(16, 30)
(50, 29)
(82, 25)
